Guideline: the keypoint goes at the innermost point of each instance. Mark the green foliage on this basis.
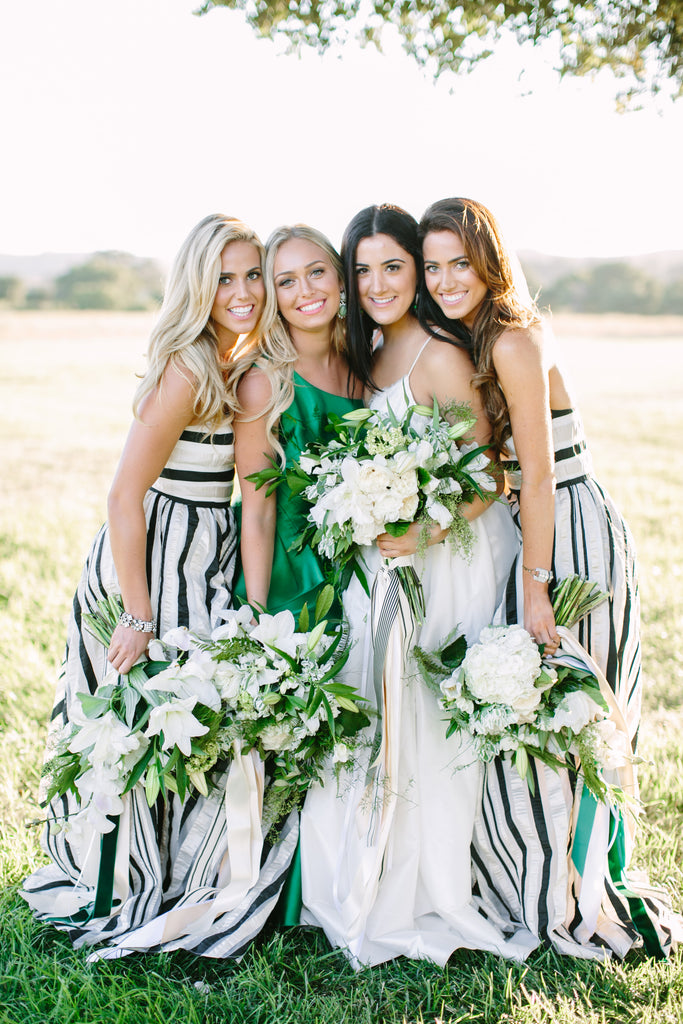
(641, 43)
(110, 280)
(614, 287)
(11, 290)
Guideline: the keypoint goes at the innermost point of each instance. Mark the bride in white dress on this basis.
(386, 852)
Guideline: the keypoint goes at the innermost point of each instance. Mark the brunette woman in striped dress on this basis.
(552, 860)
(168, 549)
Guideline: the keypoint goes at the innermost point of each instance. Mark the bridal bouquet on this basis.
(166, 725)
(380, 473)
(509, 699)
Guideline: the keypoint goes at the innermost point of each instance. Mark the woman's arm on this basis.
(164, 415)
(519, 364)
(252, 453)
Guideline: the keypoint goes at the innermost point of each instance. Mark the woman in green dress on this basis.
(285, 399)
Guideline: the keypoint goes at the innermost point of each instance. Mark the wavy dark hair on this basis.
(373, 220)
(502, 307)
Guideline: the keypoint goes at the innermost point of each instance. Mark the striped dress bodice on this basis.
(200, 470)
(573, 461)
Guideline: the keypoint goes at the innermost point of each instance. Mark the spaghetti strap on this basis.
(414, 363)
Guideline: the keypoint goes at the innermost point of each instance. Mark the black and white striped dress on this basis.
(173, 854)
(523, 860)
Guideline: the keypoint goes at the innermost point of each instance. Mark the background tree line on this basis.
(609, 287)
(105, 280)
(119, 281)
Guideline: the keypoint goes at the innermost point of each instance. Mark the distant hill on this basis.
(42, 268)
(651, 283)
(545, 270)
(101, 280)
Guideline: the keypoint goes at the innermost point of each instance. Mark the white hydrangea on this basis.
(502, 669)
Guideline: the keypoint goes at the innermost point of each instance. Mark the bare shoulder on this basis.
(444, 357)
(518, 345)
(254, 391)
(173, 397)
(444, 372)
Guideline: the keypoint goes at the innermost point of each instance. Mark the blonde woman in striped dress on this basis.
(168, 549)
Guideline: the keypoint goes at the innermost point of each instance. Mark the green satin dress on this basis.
(297, 576)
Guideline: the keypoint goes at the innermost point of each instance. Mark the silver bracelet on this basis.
(139, 625)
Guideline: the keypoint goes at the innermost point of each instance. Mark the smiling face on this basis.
(386, 277)
(450, 280)
(241, 293)
(307, 286)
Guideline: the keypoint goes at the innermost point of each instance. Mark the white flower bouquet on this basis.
(509, 699)
(166, 725)
(380, 473)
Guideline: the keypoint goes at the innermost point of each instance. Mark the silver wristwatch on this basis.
(540, 575)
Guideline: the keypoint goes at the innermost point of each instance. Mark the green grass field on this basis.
(66, 389)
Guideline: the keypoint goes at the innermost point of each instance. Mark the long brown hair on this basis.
(503, 306)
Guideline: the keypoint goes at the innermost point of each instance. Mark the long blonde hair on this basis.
(504, 306)
(183, 336)
(276, 354)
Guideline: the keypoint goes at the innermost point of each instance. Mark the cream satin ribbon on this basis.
(244, 813)
(367, 831)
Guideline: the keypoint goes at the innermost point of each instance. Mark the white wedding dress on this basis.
(385, 851)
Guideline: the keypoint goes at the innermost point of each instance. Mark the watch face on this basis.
(542, 575)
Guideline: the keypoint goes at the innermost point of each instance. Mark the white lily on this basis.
(109, 737)
(175, 720)
(238, 620)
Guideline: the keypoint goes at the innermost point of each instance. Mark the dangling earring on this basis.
(414, 306)
(342, 306)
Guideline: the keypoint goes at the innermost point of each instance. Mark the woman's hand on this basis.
(126, 647)
(539, 619)
(396, 547)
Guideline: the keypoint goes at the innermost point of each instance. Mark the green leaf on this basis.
(347, 704)
(397, 529)
(181, 778)
(453, 655)
(139, 769)
(324, 602)
(93, 707)
(304, 619)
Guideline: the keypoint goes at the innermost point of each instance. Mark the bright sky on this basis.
(126, 121)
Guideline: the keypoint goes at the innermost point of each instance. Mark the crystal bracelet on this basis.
(139, 625)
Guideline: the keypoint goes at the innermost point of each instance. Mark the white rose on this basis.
(575, 710)
(451, 688)
(341, 753)
(409, 507)
(374, 477)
